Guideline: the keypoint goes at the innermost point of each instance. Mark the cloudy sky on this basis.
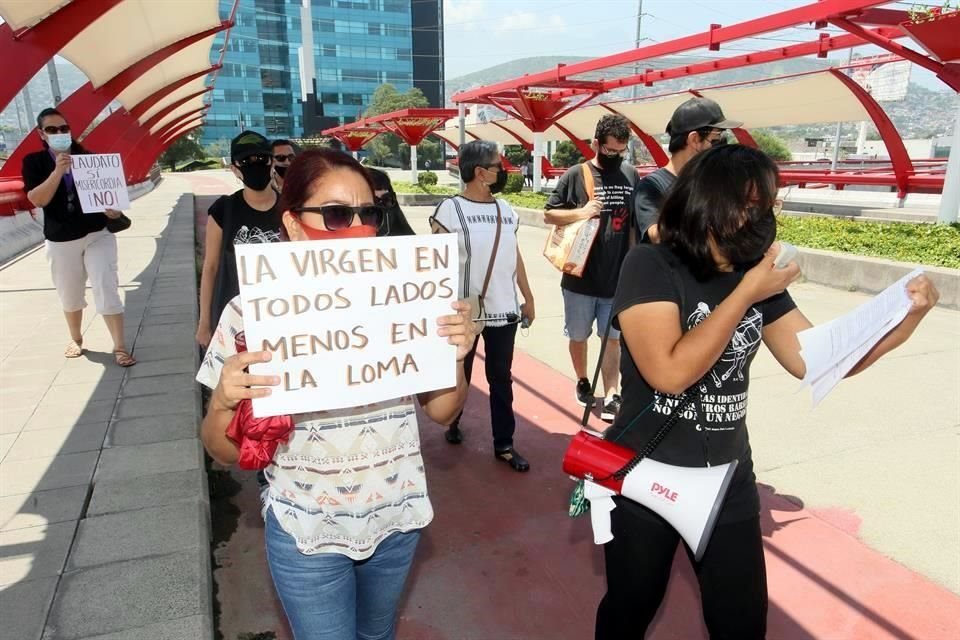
(482, 33)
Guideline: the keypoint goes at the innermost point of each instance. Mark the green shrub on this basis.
(929, 244)
(427, 179)
(514, 183)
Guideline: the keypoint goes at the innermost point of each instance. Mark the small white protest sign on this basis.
(100, 182)
(349, 322)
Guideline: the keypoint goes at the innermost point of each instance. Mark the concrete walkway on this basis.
(104, 521)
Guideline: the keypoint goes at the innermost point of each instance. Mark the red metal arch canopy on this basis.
(354, 139)
(410, 125)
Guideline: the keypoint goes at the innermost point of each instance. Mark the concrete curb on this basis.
(140, 565)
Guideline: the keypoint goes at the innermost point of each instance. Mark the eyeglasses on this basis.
(64, 128)
(257, 158)
(498, 165)
(284, 157)
(612, 152)
(340, 216)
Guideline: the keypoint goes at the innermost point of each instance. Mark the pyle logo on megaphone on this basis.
(663, 492)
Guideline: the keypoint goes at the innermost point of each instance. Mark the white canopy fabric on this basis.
(198, 84)
(186, 107)
(133, 30)
(817, 97)
(26, 13)
(186, 125)
(188, 61)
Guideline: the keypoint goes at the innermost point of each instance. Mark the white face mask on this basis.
(59, 141)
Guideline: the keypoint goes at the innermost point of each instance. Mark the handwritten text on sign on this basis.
(350, 322)
(100, 182)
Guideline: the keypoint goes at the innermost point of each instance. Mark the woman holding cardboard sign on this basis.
(348, 493)
(79, 245)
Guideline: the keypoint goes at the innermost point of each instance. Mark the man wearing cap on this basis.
(697, 125)
(248, 216)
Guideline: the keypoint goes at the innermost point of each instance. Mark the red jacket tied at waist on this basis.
(258, 438)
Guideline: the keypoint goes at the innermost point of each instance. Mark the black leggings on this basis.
(732, 577)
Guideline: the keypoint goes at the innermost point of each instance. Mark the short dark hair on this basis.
(722, 193)
(282, 142)
(612, 125)
(46, 113)
(678, 141)
(476, 153)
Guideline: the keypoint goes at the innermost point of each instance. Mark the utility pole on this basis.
(635, 90)
(54, 82)
(836, 138)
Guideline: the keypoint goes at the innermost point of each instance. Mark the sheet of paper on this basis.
(350, 322)
(101, 182)
(823, 347)
(823, 385)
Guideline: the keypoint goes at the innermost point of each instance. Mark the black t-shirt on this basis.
(647, 198)
(241, 224)
(653, 273)
(614, 189)
(63, 218)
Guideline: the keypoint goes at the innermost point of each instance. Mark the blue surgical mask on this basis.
(59, 141)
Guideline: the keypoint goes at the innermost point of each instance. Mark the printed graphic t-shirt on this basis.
(346, 479)
(241, 224)
(475, 224)
(712, 429)
(615, 190)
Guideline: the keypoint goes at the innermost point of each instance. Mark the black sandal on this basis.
(516, 461)
(454, 435)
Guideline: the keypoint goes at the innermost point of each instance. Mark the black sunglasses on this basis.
(284, 157)
(257, 158)
(337, 217)
(64, 128)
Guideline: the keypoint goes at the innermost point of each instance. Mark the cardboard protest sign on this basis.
(349, 322)
(100, 182)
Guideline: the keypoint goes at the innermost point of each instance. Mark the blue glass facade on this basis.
(357, 45)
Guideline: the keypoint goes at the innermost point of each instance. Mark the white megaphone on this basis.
(689, 498)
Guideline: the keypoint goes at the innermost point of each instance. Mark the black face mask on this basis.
(281, 169)
(500, 182)
(745, 250)
(256, 175)
(609, 163)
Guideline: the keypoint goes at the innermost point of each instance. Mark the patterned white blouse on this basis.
(346, 479)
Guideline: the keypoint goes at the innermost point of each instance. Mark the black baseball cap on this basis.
(248, 143)
(697, 113)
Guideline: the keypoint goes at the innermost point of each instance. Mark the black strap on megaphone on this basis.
(685, 399)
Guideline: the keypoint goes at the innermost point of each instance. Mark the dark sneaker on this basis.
(611, 408)
(453, 434)
(584, 393)
(516, 461)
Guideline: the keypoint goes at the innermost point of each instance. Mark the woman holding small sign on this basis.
(79, 245)
(348, 494)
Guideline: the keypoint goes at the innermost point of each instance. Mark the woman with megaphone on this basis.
(693, 311)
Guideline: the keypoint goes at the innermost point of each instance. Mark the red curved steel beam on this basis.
(152, 147)
(29, 49)
(135, 142)
(156, 150)
(899, 158)
(582, 146)
(105, 135)
(513, 134)
(86, 103)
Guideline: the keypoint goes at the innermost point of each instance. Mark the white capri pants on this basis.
(72, 262)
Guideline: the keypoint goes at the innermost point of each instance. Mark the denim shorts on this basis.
(580, 312)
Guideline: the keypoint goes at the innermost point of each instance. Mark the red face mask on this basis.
(361, 231)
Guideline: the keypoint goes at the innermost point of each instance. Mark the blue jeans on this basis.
(329, 596)
(579, 313)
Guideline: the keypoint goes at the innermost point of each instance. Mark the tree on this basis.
(516, 154)
(566, 155)
(771, 145)
(385, 149)
(187, 147)
(218, 149)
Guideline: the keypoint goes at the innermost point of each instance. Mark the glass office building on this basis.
(357, 46)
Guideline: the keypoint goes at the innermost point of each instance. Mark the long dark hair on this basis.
(726, 193)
